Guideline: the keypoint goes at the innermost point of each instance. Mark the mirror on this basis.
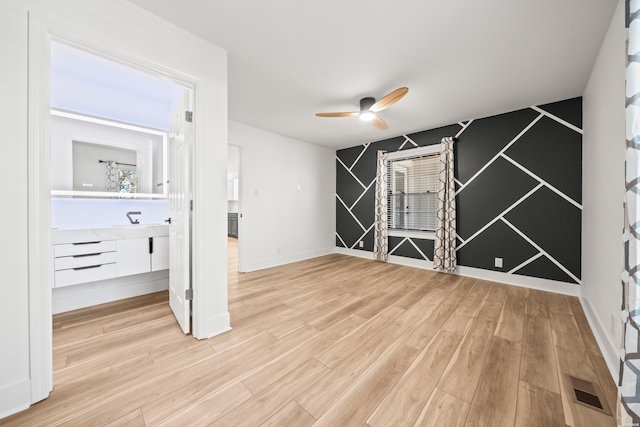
(101, 158)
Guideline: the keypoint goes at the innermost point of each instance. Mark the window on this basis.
(412, 189)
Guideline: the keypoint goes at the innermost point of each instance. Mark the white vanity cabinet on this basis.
(82, 262)
(143, 255)
(160, 253)
(91, 255)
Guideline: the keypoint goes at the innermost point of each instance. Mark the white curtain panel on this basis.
(381, 242)
(630, 352)
(444, 250)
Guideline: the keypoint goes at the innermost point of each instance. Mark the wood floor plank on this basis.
(461, 376)
(496, 396)
(583, 324)
(265, 404)
(359, 336)
(357, 404)
(291, 415)
(209, 408)
(537, 304)
(318, 398)
(132, 419)
(403, 403)
(270, 372)
(538, 407)
(443, 410)
(538, 365)
(511, 323)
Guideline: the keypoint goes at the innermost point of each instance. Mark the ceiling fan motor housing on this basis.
(366, 103)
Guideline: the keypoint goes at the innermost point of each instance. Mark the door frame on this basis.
(241, 268)
(40, 261)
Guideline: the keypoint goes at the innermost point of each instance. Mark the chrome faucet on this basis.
(133, 221)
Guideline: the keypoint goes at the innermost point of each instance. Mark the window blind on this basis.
(412, 193)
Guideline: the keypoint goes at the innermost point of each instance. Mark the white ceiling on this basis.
(289, 59)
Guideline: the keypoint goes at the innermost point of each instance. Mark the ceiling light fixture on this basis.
(367, 116)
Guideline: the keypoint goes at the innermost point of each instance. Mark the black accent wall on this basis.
(519, 192)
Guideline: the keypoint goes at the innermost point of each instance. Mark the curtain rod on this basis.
(117, 163)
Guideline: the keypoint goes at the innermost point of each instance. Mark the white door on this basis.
(180, 143)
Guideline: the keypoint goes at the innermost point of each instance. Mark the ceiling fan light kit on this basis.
(369, 107)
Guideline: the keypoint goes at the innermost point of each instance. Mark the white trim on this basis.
(351, 213)
(610, 350)
(288, 259)
(392, 250)
(499, 217)
(362, 195)
(39, 212)
(338, 236)
(419, 250)
(349, 170)
(407, 139)
(545, 253)
(529, 261)
(536, 177)
(361, 236)
(15, 397)
(429, 235)
(359, 155)
(558, 287)
(557, 119)
(464, 127)
(414, 152)
(505, 148)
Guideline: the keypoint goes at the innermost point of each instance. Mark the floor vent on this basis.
(588, 394)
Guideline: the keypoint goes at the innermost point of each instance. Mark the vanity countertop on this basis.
(116, 232)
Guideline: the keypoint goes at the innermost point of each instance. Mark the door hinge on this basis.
(191, 205)
(188, 116)
(188, 294)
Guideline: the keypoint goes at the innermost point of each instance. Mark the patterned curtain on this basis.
(381, 243)
(111, 176)
(630, 354)
(444, 251)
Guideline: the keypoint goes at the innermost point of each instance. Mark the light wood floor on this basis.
(337, 341)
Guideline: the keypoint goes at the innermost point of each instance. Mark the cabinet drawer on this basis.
(85, 274)
(85, 260)
(84, 248)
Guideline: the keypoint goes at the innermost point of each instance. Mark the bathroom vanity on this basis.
(93, 265)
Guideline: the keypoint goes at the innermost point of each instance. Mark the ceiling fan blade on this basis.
(337, 114)
(379, 123)
(389, 99)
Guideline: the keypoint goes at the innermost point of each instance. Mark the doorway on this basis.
(234, 211)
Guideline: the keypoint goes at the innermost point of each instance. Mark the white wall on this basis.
(287, 192)
(128, 30)
(603, 189)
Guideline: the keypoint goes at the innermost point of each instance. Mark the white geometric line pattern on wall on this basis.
(501, 216)
(537, 166)
(500, 153)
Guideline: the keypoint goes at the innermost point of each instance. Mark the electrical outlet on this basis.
(361, 244)
(498, 262)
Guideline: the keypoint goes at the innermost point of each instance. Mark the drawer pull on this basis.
(88, 267)
(84, 255)
(85, 243)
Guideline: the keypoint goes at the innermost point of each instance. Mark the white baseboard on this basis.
(215, 326)
(286, 259)
(610, 350)
(94, 293)
(478, 273)
(15, 397)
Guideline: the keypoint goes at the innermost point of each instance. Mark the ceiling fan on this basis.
(369, 107)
